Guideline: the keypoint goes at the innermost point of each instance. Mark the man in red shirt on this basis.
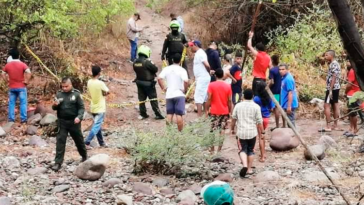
(261, 62)
(220, 104)
(351, 88)
(18, 75)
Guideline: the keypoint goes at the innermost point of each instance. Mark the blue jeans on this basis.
(292, 116)
(14, 93)
(133, 49)
(96, 129)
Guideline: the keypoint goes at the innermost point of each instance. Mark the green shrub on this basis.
(166, 151)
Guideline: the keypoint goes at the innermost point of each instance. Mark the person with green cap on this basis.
(174, 43)
(145, 71)
(218, 193)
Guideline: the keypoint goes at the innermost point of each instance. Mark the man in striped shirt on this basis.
(249, 120)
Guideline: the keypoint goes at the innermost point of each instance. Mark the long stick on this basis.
(342, 117)
(252, 29)
(305, 146)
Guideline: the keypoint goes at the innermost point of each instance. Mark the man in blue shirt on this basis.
(289, 100)
(275, 80)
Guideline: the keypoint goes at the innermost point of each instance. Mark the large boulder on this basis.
(283, 139)
(93, 168)
(2, 132)
(317, 150)
(31, 130)
(35, 119)
(8, 126)
(48, 119)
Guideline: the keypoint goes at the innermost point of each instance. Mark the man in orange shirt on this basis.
(261, 62)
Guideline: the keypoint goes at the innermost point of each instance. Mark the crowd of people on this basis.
(219, 95)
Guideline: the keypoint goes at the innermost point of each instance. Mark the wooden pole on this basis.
(305, 145)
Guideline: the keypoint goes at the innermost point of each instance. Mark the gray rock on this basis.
(124, 200)
(283, 139)
(31, 130)
(225, 177)
(61, 188)
(8, 126)
(195, 188)
(5, 200)
(317, 176)
(317, 150)
(37, 141)
(142, 188)
(37, 170)
(186, 202)
(327, 141)
(187, 195)
(35, 119)
(266, 176)
(10, 162)
(112, 182)
(48, 119)
(361, 174)
(93, 168)
(160, 182)
(167, 191)
(87, 116)
(2, 132)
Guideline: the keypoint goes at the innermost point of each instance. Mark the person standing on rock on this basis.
(98, 90)
(18, 75)
(235, 71)
(332, 91)
(213, 57)
(177, 83)
(289, 100)
(70, 109)
(201, 71)
(132, 33)
(174, 43)
(220, 104)
(248, 117)
(261, 62)
(146, 71)
(266, 105)
(275, 80)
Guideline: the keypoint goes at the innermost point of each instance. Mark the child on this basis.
(235, 72)
(228, 78)
(266, 105)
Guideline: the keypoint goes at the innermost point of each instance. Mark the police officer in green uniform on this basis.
(145, 73)
(174, 43)
(70, 108)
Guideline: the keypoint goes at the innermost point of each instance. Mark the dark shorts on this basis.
(176, 106)
(351, 107)
(254, 86)
(335, 96)
(247, 146)
(219, 122)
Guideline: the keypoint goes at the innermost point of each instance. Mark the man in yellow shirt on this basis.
(98, 90)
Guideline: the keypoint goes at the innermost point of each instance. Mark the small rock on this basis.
(283, 139)
(112, 182)
(61, 188)
(93, 168)
(87, 116)
(195, 188)
(124, 200)
(37, 170)
(142, 188)
(187, 195)
(31, 130)
(218, 159)
(186, 202)
(361, 174)
(11, 162)
(317, 150)
(37, 141)
(2, 132)
(167, 191)
(35, 119)
(327, 141)
(42, 110)
(266, 176)
(48, 119)
(317, 176)
(8, 126)
(5, 201)
(160, 182)
(225, 177)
